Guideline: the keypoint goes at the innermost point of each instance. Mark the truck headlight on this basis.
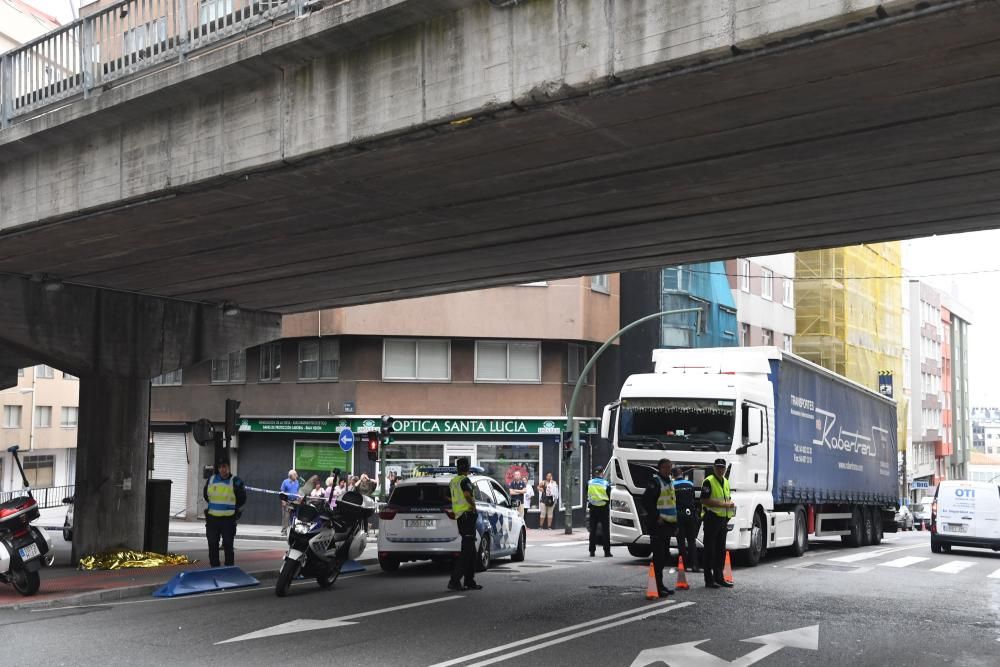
(620, 506)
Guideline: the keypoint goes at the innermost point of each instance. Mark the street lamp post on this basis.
(574, 425)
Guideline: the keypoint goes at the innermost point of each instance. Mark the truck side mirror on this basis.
(606, 421)
(755, 426)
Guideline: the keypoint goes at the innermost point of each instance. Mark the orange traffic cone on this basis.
(682, 580)
(652, 590)
(727, 570)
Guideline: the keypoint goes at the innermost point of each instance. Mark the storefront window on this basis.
(320, 459)
(500, 461)
(404, 459)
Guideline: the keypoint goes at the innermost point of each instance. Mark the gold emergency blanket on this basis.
(117, 560)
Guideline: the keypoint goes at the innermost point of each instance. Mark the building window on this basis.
(788, 343)
(744, 271)
(43, 416)
(599, 283)
(789, 299)
(171, 379)
(319, 359)
(146, 36)
(39, 470)
(11, 416)
(498, 361)
(673, 279)
(214, 10)
(270, 362)
(230, 368)
(744, 334)
(768, 336)
(69, 417)
(727, 322)
(578, 356)
(43, 372)
(413, 360)
(767, 284)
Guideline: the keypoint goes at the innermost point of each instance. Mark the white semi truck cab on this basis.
(808, 452)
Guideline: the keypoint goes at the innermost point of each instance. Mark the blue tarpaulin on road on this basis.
(203, 581)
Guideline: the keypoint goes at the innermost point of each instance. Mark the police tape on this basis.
(272, 492)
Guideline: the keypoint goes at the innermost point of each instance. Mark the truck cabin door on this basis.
(755, 438)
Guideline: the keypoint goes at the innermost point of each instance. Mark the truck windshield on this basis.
(692, 424)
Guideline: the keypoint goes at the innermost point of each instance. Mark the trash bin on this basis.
(157, 515)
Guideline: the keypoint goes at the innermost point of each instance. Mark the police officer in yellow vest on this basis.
(717, 508)
(226, 496)
(660, 504)
(598, 501)
(463, 505)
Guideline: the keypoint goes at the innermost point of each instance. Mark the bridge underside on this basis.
(877, 133)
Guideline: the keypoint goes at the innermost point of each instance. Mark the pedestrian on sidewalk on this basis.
(717, 508)
(226, 495)
(661, 519)
(518, 488)
(291, 487)
(548, 494)
(599, 506)
(688, 521)
(463, 506)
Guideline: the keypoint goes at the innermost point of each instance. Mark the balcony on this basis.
(942, 449)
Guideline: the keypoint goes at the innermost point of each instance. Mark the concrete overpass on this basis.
(378, 149)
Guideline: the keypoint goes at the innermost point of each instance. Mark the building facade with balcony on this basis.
(764, 292)
(40, 417)
(484, 374)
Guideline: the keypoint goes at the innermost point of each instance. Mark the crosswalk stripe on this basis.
(904, 562)
(864, 555)
(953, 567)
(995, 575)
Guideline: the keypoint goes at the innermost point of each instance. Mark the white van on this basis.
(965, 514)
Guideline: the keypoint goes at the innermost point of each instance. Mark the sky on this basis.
(960, 255)
(64, 10)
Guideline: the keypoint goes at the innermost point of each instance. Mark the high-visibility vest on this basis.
(720, 491)
(221, 496)
(459, 504)
(597, 492)
(666, 502)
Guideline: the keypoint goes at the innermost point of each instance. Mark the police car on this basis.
(418, 524)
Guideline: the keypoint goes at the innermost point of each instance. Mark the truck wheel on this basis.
(867, 527)
(877, 522)
(854, 539)
(755, 552)
(801, 541)
(639, 551)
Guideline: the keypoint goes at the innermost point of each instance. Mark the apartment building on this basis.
(764, 293)
(485, 374)
(40, 417)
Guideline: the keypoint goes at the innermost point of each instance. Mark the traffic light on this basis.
(372, 446)
(232, 417)
(386, 430)
(567, 444)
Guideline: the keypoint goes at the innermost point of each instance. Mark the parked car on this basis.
(68, 523)
(966, 514)
(922, 512)
(904, 518)
(417, 523)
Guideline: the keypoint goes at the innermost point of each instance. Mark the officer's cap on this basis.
(720, 463)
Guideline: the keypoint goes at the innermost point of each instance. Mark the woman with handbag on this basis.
(548, 494)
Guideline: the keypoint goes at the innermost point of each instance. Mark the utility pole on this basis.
(574, 425)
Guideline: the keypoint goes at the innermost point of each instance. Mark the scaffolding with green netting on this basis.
(849, 314)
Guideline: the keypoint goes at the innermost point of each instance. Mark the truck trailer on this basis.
(809, 452)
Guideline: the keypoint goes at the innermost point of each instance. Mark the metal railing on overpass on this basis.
(49, 496)
(121, 40)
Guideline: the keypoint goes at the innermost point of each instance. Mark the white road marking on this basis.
(690, 655)
(995, 575)
(953, 567)
(562, 544)
(307, 624)
(643, 612)
(904, 562)
(865, 555)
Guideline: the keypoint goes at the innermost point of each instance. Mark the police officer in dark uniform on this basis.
(688, 521)
(226, 495)
(717, 508)
(661, 519)
(463, 505)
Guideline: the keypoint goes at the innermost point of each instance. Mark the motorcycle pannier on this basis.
(352, 506)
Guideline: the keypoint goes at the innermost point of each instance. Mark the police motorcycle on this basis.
(322, 538)
(24, 549)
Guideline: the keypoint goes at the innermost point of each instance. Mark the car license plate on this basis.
(29, 552)
(956, 527)
(420, 523)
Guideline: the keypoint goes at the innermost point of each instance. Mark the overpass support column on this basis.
(109, 510)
